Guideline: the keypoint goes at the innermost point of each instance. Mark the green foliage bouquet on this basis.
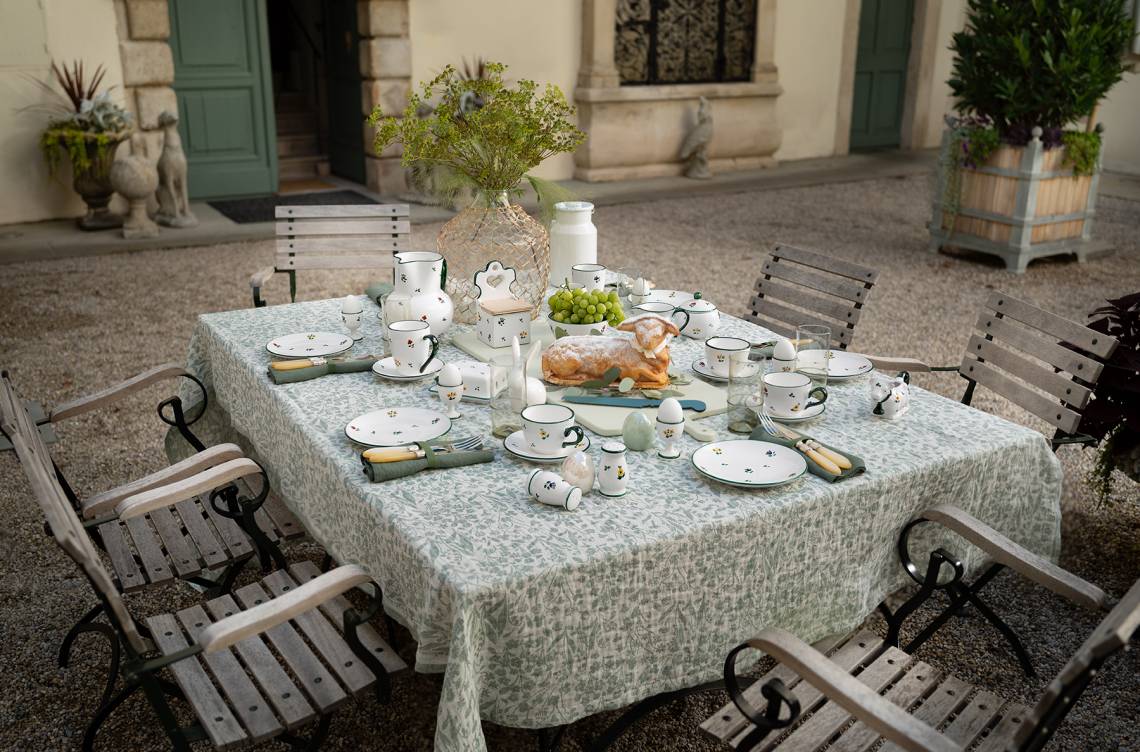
(483, 133)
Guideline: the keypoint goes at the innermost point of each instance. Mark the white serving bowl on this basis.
(566, 329)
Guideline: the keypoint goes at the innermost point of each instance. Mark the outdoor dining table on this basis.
(539, 616)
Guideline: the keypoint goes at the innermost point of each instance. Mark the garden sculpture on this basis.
(135, 177)
(695, 149)
(173, 198)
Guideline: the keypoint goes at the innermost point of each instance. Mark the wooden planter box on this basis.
(1024, 203)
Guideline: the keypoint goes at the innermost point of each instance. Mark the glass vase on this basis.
(494, 229)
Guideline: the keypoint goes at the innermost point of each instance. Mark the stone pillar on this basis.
(148, 64)
(597, 68)
(386, 67)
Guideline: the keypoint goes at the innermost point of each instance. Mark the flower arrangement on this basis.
(485, 134)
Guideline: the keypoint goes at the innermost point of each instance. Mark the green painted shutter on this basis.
(880, 73)
(346, 115)
(225, 100)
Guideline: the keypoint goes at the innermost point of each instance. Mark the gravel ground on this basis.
(69, 327)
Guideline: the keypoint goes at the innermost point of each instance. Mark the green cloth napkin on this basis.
(378, 472)
(858, 467)
(332, 365)
(378, 290)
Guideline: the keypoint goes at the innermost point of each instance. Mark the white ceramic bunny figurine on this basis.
(891, 395)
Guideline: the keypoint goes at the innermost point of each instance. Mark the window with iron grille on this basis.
(684, 41)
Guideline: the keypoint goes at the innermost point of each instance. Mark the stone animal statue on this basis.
(644, 358)
(134, 177)
(695, 149)
(173, 197)
(891, 395)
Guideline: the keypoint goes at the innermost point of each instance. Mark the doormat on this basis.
(260, 209)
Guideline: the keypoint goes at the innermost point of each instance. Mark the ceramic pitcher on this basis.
(419, 295)
(573, 239)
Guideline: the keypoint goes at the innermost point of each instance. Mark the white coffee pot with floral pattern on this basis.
(419, 294)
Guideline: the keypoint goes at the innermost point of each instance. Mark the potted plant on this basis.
(1113, 416)
(1017, 179)
(86, 127)
(490, 149)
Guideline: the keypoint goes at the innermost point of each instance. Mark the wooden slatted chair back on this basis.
(804, 287)
(341, 237)
(1064, 361)
(1111, 635)
(65, 526)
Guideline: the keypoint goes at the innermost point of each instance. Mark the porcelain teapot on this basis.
(703, 318)
(419, 294)
(891, 395)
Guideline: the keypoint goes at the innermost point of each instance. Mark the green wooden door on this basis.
(880, 73)
(225, 97)
(342, 64)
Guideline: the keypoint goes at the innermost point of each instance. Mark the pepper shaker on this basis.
(613, 472)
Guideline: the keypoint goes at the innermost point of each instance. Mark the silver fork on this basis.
(767, 423)
(466, 443)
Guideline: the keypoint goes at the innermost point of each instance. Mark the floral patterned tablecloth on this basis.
(542, 616)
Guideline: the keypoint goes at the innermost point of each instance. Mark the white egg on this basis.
(784, 350)
(450, 376)
(578, 470)
(670, 411)
(351, 304)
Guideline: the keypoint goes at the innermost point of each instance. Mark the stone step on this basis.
(297, 145)
(298, 168)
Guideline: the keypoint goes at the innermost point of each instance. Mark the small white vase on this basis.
(573, 239)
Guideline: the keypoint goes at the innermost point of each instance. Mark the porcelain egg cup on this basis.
(450, 389)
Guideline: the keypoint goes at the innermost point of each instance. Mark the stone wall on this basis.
(148, 64)
(386, 67)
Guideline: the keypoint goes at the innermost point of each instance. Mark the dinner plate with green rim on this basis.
(309, 345)
(676, 297)
(746, 463)
(841, 365)
(396, 426)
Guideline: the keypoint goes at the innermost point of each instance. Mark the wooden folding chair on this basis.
(359, 236)
(803, 287)
(235, 703)
(1048, 366)
(867, 690)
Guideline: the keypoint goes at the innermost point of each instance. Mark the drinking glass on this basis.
(813, 351)
(623, 278)
(744, 395)
(505, 419)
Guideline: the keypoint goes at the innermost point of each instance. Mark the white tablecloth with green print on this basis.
(540, 616)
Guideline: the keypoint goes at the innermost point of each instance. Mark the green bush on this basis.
(1026, 63)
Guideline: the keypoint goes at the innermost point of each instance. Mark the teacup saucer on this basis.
(701, 367)
(516, 446)
(808, 414)
(387, 369)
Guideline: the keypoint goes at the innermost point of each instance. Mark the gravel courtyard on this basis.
(70, 327)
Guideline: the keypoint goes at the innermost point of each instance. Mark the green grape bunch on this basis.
(581, 306)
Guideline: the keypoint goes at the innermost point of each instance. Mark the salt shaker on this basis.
(449, 386)
(613, 474)
(352, 314)
(549, 488)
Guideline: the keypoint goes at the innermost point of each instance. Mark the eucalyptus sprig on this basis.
(491, 146)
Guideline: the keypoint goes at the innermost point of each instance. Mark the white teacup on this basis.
(665, 311)
(590, 276)
(722, 352)
(788, 395)
(547, 429)
(413, 346)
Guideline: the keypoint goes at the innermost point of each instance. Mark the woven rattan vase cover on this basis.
(501, 232)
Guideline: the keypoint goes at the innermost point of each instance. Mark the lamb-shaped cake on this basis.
(644, 358)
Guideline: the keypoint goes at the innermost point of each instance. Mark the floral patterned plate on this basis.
(841, 365)
(702, 369)
(745, 463)
(395, 426)
(309, 345)
(517, 446)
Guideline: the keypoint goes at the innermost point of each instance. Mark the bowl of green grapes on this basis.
(579, 312)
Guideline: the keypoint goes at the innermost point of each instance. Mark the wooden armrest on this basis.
(102, 503)
(261, 276)
(898, 364)
(1030, 565)
(887, 719)
(224, 633)
(117, 392)
(207, 480)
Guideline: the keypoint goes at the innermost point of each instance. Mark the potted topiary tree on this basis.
(87, 127)
(1016, 178)
(486, 136)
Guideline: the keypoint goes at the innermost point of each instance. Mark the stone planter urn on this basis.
(1023, 203)
(93, 184)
